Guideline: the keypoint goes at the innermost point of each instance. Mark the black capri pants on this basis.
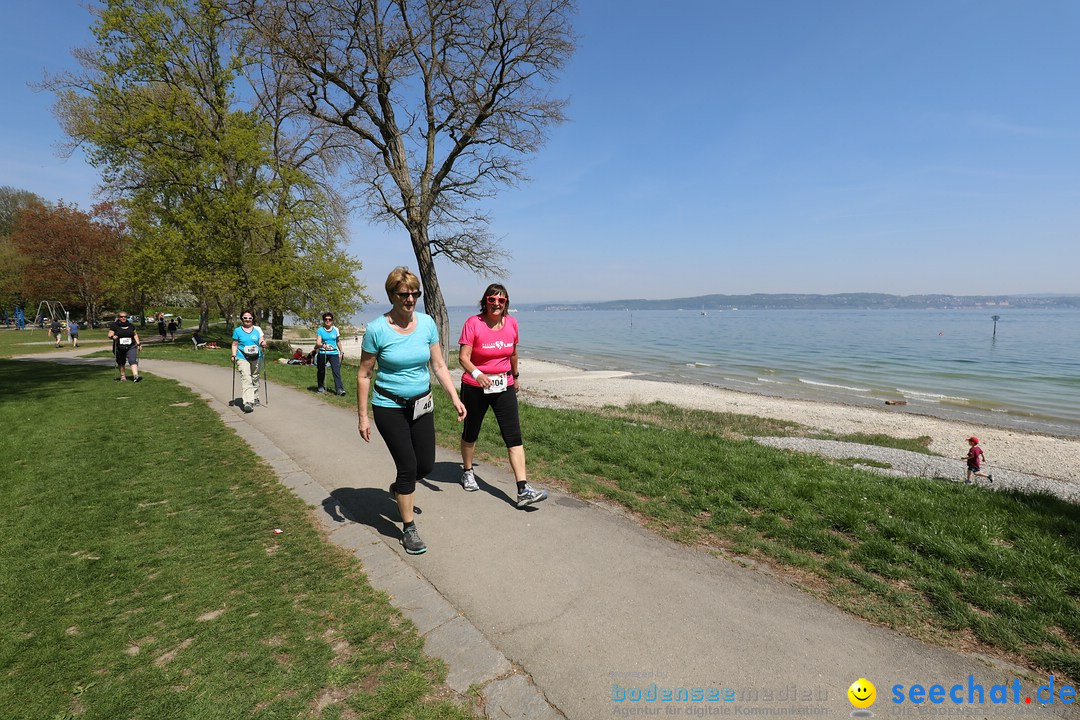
(411, 443)
(505, 407)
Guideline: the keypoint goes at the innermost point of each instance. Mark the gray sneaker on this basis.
(410, 539)
(468, 480)
(248, 408)
(321, 390)
(530, 495)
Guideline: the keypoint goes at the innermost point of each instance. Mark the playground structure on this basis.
(54, 309)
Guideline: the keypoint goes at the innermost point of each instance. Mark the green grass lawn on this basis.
(943, 562)
(26, 342)
(140, 577)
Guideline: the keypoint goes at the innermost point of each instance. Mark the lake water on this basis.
(945, 363)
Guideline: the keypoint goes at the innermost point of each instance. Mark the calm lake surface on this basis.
(945, 363)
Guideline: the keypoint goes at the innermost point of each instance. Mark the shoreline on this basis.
(1048, 456)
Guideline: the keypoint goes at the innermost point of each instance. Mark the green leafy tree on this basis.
(443, 101)
(216, 206)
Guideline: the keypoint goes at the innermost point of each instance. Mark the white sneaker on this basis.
(468, 481)
(530, 495)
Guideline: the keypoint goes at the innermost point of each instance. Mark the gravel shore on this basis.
(1017, 458)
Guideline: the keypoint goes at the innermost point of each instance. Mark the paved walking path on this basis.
(557, 610)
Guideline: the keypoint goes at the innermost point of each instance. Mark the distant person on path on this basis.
(172, 330)
(73, 333)
(179, 322)
(975, 458)
(56, 330)
(489, 359)
(328, 347)
(125, 346)
(405, 343)
(161, 326)
(247, 351)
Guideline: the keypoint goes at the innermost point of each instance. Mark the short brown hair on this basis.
(398, 276)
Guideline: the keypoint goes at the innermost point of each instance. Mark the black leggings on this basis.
(411, 443)
(505, 407)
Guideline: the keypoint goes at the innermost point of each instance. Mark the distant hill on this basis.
(840, 301)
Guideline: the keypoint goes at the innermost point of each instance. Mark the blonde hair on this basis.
(398, 276)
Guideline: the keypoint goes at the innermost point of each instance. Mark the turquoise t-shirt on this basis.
(403, 359)
(329, 340)
(247, 339)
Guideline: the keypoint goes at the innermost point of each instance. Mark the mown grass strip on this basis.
(937, 560)
(140, 576)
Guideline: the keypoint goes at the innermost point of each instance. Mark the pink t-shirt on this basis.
(491, 349)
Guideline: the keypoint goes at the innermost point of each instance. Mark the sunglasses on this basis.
(496, 299)
(328, 318)
(247, 318)
(411, 293)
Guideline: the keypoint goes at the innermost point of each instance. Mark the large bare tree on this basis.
(445, 99)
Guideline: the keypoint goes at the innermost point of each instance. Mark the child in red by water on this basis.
(975, 458)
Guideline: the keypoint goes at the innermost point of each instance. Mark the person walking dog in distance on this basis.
(975, 458)
(489, 359)
(405, 343)
(247, 351)
(328, 346)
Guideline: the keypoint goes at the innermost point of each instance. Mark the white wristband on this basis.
(476, 374)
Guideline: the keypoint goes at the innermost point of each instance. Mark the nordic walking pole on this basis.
(266, 393)
(232, 392)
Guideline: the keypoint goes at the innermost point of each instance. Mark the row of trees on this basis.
(57, 252)
(223, 127)
(224, 189)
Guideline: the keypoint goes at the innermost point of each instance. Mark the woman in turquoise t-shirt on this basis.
(247, 351)
(328, 345)
(405, 343)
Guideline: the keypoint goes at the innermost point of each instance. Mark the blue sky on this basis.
(722, 146)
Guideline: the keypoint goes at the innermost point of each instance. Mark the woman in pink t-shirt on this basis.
(488, 355)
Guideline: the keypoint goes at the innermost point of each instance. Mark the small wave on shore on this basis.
(832, 385)
(931, 397)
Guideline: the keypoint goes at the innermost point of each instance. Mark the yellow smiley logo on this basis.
(862, 693)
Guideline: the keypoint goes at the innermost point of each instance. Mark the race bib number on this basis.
(125, 341)
(498, 384)
(251, 350)
(422, 406)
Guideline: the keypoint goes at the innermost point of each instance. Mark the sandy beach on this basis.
(1038, 455)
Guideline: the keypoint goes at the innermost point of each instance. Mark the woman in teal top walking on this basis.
(327, 343)
(247, 351)
(404, 343)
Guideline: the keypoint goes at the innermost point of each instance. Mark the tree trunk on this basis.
(204, 317)
(434, 305)
(277, 324)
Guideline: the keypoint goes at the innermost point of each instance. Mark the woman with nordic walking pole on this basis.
(247, 352)
(405, 343)
(328, 346)
(125, 346)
